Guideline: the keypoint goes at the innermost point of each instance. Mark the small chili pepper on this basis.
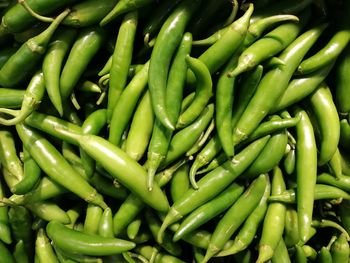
(340, 249)
(43, 248)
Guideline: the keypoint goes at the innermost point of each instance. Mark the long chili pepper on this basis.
(31, 99)
(126, 104)
(167, 41)
(249, 229)
(230, 222)
(77, 242)
(44, 152)
(322, 191)
(270, 44)
(322, 105)
(275, 217)
(17, 19)
(52, 64)
(88, 13)
(140, 130)
(212, 183)
(300, 87)
(121, 60)
(306, 172)
(281, 254)
(274, 83)
(343, 182)
(123, 7)
(224, 97)
(87, 44)
(20, 64)
(31, 175)
(180, 182)
(209, 210)
(161, 136)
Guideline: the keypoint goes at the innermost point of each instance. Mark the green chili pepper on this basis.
(342, 77)
(43, 248)
(126, 104)
(11, 98)
(235, 216)
(19, 253)
(180, 183)
(31, 99)
(105, 228)
(5, 231)
(340, 249)
(306, 171)
(121, 60)
(209, 210)
(273, 84)
(322, 191)
(48, 211)
(249, 229)
(281, 253)
(274, 219)
(167, 41)
(77, 242)
(52, 64)
(212, 183)
(92, 219)
(6, 255)
(20, 64)
(324, 256)
(85, 47)
(43, 152)
(133, 228)
(5, 54)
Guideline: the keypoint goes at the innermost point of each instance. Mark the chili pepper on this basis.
(6, 255)
(140, 129)
(179, 183)
(300, 87)
(342, 182)
(324, 256)
(268, 91)
(328, 223)
(20, 64)
(157, 18)
(92, 219)
(217, 55)
(85, 47)
(289, 162)
(19, 253)
(5, 231)
(333, 48)
(105, 228)
(224, 97)
(300, 255)
(52, 64)
(265, 162)
(232, 219)
(344, 133)
(270, 44)
(341, 78)
(20, 222)
(82, 243)
(43, 248)
(17, 19)
(212, 183)
(209, 210)
(121, 167)
(335, 164)
(8, 157)
(11, 98)
(73, 257)
(322, 105)
(220, 159)
(43, 152)
(281, 253)
(306, 171)
(340, 249)
(32, 97)
(275, 217)
(93, 124)
(123, 7)
(167, 41)
(48, 211)
(322, 191)
(88, 13)
(31, 175)
(184, 139)
(249, 229)
(133, 228)
(125, 105)
(121, 60)
(205, 136)
(161, 136)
